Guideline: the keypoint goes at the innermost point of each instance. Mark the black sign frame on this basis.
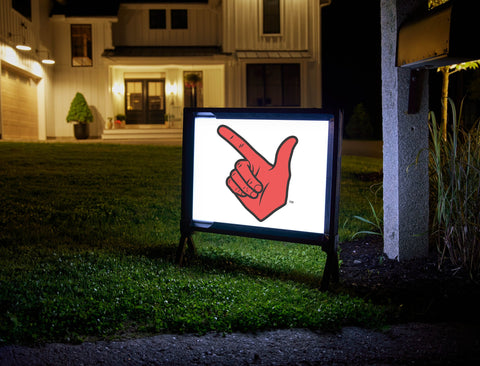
(327, 240)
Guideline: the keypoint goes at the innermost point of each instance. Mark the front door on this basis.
(145, 101)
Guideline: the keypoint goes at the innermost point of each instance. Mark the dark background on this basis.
(351, 58)
(352, 67)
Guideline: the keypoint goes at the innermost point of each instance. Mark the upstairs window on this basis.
(271, 16)
(24, 7)
(81, 44)
(158, 19)
(179, 18)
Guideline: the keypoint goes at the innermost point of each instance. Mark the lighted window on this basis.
(24, 7)
(158, 19)
(179, 18)
(81, 45)
(271, 16)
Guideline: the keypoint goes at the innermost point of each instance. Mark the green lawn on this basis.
(88, 234)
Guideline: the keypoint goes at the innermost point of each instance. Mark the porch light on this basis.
(22, 44)
(172, 89)
(118, 88)
(46, 60)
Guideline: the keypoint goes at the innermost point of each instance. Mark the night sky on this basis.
(351, 57)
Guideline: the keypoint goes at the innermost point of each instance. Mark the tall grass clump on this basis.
(455, 185)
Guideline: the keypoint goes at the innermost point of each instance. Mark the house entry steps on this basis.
(150, 133)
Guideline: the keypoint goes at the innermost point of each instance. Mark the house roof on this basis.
(274, 54)
(163, 51)
(164, 1)
(85, 8)
(101, 8)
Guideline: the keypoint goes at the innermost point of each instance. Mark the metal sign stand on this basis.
(186, 246)
(331, 272)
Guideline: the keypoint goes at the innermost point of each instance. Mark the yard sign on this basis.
(264, 173)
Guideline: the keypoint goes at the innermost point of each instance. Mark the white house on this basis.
(147, 60)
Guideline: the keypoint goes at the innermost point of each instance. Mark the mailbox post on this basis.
(412, 42)
(405, 187)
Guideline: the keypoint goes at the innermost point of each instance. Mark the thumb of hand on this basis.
(284, 153)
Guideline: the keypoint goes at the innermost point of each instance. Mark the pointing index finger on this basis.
(238, 143)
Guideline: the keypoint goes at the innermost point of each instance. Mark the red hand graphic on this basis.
(260, 186)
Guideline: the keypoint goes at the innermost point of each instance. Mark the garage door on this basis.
(18, 105)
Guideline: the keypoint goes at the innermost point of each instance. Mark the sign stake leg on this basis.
(331, 271)
(186, 245)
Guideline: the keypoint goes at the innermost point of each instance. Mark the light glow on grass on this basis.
(88, 241)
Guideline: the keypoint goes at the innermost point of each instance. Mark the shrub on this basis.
(455, 185)
(79, 110)
(359, 125)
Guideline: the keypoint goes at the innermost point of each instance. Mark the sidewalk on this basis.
(403, 344)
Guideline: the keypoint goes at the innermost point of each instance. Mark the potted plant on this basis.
(81, 115)
(120, 120)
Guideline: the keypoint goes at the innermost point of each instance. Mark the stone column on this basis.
(405, 184)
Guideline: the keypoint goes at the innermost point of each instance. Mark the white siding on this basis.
(242, 26)
(300, 37)
(214, 87)
(92, 81)
(133, 28)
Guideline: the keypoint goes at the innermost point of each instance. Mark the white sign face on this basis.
(263, 173)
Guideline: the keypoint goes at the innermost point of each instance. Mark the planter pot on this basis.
(81, 131)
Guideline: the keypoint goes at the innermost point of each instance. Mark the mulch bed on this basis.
(418, 289)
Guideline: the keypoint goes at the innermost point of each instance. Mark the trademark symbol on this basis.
(291, 201)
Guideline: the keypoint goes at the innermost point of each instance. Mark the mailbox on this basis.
(445, 36)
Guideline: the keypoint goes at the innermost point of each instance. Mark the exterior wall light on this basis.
(172, 89)
(48, 61)
(45, 60)
(21, 45)
(118, 88)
